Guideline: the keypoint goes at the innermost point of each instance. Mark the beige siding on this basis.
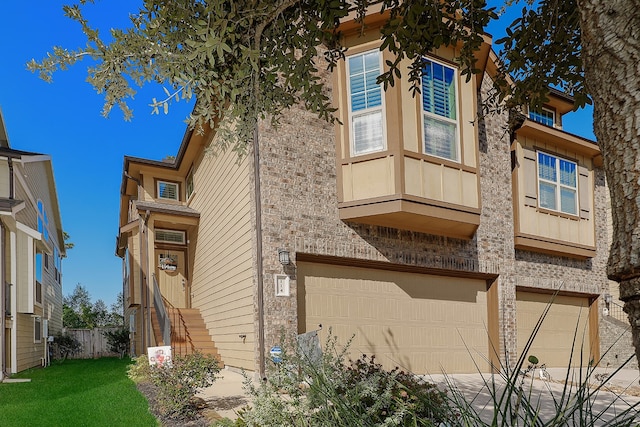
(548, 225)
(566, 323)
(25, 279)
(222, 277)
(40, 186)
(4, 178)
(421, 323)
(29, 353)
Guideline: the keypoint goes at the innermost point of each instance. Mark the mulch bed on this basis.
(202, 419)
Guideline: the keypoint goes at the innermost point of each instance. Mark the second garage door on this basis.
(422, 323)
(552, 344)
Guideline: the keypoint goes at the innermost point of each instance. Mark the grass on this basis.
(95, 392)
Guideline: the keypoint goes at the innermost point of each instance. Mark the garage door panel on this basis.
(422, 323)
(566, 323)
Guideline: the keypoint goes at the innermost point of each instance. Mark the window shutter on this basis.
(585, 189)
(530, 176)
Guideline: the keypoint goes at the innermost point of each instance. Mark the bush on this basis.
(118, 341)
(178, 383)
(65, 345)
(301, 392)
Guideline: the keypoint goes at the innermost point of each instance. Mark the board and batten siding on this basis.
(29, 353)
(548, 225)
(4, 178)
(222, 282)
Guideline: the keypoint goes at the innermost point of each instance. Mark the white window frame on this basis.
(37, 320)
(188, 178)
(456, 81)
(558, 184)
(182, 233)
(546, 110)
(177, 185)
(381, 108)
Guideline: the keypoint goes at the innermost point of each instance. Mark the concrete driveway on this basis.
(618, 394)
(622, 391)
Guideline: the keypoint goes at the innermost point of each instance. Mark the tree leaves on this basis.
(250, 60)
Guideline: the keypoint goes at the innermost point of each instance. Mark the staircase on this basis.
(188, 332)
(616, 340)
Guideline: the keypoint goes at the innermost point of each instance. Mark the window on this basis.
(168, 190)
(170, 236)
(37, 329)
(43, 221)
(38, 283)
(544, 116)
(365, 103)
(189, 184)
(557, 184)
(439, 111)
(57, 260)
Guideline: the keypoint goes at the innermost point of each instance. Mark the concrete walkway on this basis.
(227, 395)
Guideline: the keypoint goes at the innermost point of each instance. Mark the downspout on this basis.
(259, 265)
(11, 190)
(143, 267)
(147, 296)
(3, 303)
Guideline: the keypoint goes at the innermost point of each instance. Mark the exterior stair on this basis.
(188, 332)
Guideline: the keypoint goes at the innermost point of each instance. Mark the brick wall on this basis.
(300, 213)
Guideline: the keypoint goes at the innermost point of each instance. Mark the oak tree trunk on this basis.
(611, 51)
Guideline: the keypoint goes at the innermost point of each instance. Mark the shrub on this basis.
(118, 341)
(330, 391)
(65, 345)
(177, 384)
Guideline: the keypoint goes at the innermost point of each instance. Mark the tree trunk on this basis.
(611, 53)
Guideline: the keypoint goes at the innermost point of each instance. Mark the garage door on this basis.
(422, 323)
(552, 344)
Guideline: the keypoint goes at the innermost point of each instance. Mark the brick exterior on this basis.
(300, 213)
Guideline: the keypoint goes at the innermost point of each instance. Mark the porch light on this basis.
(283, 256)
(607, 299)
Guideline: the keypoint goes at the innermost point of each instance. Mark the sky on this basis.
(63, 119)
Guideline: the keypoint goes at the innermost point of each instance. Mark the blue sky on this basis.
(63, 119)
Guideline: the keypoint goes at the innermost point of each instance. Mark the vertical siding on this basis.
(4, 178)
(222, 280)
(29, 353)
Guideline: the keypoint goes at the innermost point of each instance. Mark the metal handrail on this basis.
(617, 312)
(161, 313)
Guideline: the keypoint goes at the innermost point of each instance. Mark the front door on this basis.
(172, 277)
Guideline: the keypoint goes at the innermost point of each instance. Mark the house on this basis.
(32, 248)
(436, 236)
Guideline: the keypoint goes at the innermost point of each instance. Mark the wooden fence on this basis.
(93, 343)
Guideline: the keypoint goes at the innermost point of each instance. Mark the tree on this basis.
(250, 60)
(79, 312)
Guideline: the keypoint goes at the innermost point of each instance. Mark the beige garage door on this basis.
(424, 324)
(552, 344)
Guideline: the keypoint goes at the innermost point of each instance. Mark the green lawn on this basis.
(75, 393)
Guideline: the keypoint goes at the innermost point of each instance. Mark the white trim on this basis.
(34, 234)
(35, 158)
(177, 185)
(457, 121)
(13, 245)
(381, 108)
(163, 230)
(558, 184)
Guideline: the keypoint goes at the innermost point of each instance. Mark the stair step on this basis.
(188, 333)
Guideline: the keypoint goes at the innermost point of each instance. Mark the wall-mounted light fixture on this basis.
(607, 299)
(283, 256)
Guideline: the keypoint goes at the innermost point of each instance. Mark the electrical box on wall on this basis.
(282, 285)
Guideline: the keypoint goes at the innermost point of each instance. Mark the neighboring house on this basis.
(31, 252)
(433, 235)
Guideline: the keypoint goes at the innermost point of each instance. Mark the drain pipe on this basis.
(3, 303)
(259, 264)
